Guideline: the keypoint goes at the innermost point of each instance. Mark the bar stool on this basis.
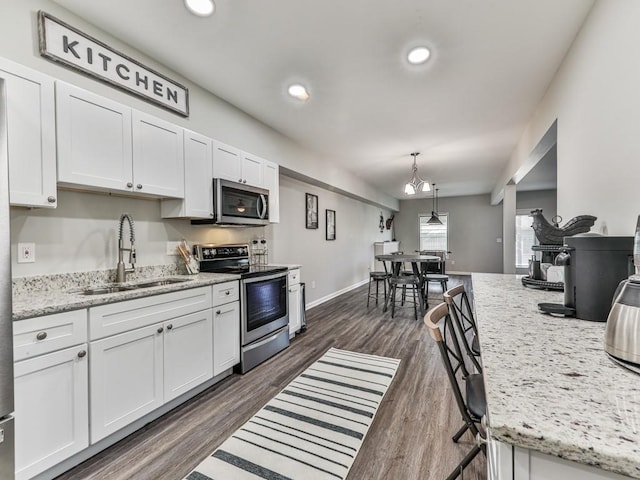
(404, 281)
(434, 271)
(462, 316)
(377, 277)
(473, 405)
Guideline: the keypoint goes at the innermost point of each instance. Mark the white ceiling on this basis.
(464, 110)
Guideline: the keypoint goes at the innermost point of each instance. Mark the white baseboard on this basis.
(326, 298)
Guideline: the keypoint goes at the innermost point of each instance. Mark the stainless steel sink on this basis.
(107, 289)
(104, 289)
(159, 283)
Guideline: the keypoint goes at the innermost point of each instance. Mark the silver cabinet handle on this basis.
(160, 330)
(244, 181)
(218, 312)
(129, 184)
(169, 327)
(51, 199)
(82, 353)
(139, 186)
(239, 180)
(227, 292)
(41, 335)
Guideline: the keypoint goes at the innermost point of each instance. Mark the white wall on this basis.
(332, 265)
(596, 100)
(474, 227)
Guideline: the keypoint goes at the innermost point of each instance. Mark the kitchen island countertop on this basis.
(550, 386)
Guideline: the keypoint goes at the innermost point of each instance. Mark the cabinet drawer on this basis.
(115, 318)
(294, 276)
(36, 336)
(226, 292)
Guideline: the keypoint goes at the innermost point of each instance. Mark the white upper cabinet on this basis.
(158, 156)
(271, 181)
(94, 140)
(198, 184)
(252, 170)
(227, 162)
(104, 145)
(31, 140)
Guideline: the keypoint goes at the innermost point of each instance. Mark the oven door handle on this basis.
(262, 278)
(266, 340)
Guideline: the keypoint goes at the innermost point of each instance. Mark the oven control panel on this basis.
(220, 252)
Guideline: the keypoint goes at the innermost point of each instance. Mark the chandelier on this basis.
(415, 183)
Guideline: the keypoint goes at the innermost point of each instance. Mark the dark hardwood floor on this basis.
(409, 439)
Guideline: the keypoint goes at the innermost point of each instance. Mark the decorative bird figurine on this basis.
(552, 234)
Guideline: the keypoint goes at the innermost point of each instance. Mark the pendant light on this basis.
(415, 183)
(435, 220)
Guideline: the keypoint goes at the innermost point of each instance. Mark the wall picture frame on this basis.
(311, 202)
(331, 224)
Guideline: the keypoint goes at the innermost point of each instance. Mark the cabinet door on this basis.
(31, 139)
(294, 308)
(125, 379)
(158, 156)
(94, 140)
(271, 181)
(52, 409)
(252, 170)
(188, 353)
(198, 184)
(226, 337)
(227, 162)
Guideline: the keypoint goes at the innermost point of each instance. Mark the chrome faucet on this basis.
(121, 273)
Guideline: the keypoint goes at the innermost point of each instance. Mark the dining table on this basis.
(418, 265)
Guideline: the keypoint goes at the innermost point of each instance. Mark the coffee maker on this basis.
(594, 266)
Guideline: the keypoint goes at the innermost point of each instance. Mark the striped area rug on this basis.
(312, 429)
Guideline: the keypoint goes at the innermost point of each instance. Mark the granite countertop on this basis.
(550, 386)
(46, 295)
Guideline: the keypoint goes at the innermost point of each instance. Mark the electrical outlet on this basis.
(452, 262)
(172, 248)
(26, 252)
(313, 284)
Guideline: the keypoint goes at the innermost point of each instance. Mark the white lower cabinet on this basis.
(188, 353)
(506, 462)
(125, 379)
(295, 301)
(51, 409)
(294, 308)
(226, 336)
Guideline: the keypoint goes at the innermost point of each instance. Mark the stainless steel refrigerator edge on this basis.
(6, 327)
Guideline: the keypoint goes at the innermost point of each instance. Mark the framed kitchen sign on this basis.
(68, 46)
(331, 224)
(311, 210)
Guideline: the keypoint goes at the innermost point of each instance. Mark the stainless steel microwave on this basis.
(237, 204)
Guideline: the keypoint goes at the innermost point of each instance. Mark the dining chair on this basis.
(462, 314)
(434, 272)
(473, 405)
(377, 277)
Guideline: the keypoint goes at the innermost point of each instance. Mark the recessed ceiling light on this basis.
(201, 8)
(418, 55)
(298, 91)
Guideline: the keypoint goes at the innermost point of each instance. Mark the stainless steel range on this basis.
(264, 308)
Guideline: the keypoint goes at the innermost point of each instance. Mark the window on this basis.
(434, 237)
(525, 239)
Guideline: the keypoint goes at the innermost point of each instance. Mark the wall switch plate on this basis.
(26, 252)
(172, 248)
(499, 240)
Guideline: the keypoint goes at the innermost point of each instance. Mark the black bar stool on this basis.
(473, 405)
(377, 277)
